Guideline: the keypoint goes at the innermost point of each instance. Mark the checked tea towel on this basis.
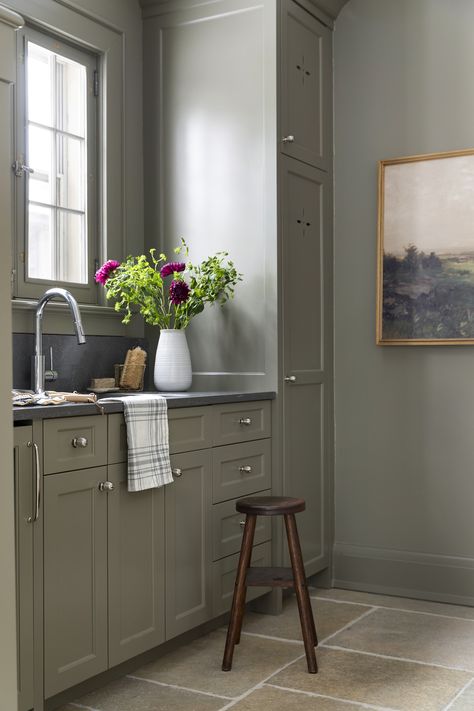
(146, 418)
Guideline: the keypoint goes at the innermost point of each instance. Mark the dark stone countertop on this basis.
(187, 399)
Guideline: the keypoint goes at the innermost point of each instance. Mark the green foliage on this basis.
(137, 282)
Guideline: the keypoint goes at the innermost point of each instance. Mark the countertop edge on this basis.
(199, 399)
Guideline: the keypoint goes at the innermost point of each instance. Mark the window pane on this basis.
(72, 96)
(72, 247)
(40, 84)
(40, 158)
(40, 242)
(71, 173)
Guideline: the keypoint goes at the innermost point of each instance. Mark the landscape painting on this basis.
(425, 293)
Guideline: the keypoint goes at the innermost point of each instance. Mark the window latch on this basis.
(20, 169)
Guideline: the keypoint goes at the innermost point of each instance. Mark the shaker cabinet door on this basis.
(306, 93)
(75, 578)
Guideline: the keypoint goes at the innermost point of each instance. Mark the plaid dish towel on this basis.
(146, 417)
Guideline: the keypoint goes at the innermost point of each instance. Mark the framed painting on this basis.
(425, 275)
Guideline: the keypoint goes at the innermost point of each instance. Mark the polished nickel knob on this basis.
(106, 486)
(245, 470)
(79, 442)
(242, 524)
(288, 139)
(177, 472)
(290, 379)
(245, 421)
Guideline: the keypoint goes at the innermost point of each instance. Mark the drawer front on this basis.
(74, 443)
(189, 429)
(227, 528)
(241, 469)
(223, 578)
(241, 422)
(117, 441)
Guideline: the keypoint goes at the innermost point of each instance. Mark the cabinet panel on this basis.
(136, 562)
(241, 422)
(117, 439)
(189, 429)
(223, 578)
(188, 543)
(74, 443)
(75, 578)
(241, 469)
(227, 528)
(24, 506)
(306, 87)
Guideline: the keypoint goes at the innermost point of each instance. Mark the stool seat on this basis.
(270, 505)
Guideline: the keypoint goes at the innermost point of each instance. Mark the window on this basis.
(56, 167)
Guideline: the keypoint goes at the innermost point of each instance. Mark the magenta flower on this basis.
(106, 270)
(179, 292)
(171, 268)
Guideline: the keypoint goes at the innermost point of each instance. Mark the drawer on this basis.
(74, 443)
(223, 578)
(240, 422)
(117, 441)
(189, 429)
(227, 528)
(241, 469)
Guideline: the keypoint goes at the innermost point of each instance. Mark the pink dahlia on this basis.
(171, 268)
(106, 270)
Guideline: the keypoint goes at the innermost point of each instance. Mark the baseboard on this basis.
(402, 573)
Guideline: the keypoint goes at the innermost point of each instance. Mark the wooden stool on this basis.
(271, 577)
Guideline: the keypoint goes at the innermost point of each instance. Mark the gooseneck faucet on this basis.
(38, 364)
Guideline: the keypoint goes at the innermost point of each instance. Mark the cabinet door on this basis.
(306, 94)
(24, 505)
(307, 351)
(188, 543)
(136, 563)
(75, 578)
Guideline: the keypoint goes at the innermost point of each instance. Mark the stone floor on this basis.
(375, 652)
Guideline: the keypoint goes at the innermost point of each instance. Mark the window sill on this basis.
(97, 320)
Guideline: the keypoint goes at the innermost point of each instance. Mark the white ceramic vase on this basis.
(173, 370)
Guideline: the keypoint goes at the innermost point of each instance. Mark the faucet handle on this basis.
(51, 374)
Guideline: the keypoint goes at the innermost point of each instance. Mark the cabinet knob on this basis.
(290, 379)
(242, 523)
(106, 486)
(288, 139)
(177, 472)
(245, 421)
(245, 470)
(79, 442)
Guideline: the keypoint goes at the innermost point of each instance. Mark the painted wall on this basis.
(404, 416)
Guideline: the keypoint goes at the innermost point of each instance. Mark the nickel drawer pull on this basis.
(288, 139)
(106, 486)
(245, 469)
(245, 421)
(79, 442)
(177, 472)
(242, 523)
(32, 519)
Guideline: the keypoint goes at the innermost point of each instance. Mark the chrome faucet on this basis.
(38, 364)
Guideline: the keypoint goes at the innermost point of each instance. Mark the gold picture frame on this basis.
(425, 250)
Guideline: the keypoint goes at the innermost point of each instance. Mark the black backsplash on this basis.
(76, 365)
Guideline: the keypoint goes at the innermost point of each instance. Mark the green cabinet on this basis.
(24, 541)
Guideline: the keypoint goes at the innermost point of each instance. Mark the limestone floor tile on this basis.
(368, 679)
(464, 702)
(426, 638)
(269, 698)
(198, 665)
(131, 695)
(329, 618)
(402, 603)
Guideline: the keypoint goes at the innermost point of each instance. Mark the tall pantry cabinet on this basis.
(238, 130)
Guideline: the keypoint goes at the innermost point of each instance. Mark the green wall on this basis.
(404, 416)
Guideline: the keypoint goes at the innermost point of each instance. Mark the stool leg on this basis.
(240, 589)
(304, 605)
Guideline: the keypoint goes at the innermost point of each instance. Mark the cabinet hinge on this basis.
(95, 83)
